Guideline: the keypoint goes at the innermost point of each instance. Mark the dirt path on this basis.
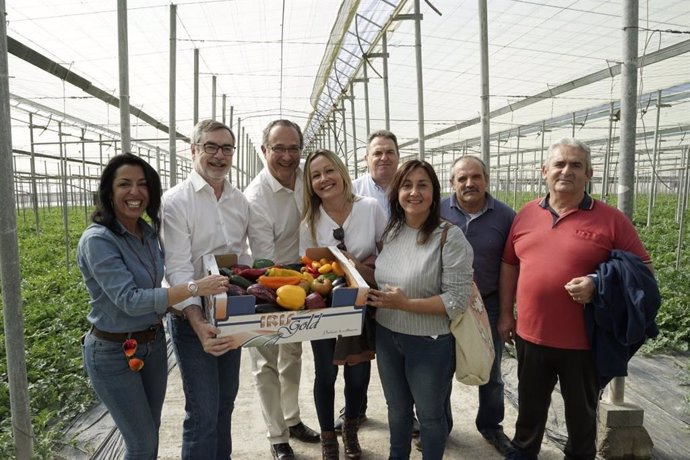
(249, 440)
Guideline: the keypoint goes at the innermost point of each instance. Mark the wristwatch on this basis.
(192, 288)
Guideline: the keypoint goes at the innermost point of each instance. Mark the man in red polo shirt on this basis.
(553, 245)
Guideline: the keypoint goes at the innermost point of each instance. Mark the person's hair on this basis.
(572, 142)
(312, 201)
(485, 170)
(397, 218)
(104, 213)
(207, 126)
(287, 124)
(385, 134)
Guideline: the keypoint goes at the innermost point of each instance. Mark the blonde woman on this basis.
(333, 215)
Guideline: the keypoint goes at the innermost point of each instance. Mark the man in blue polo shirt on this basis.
(486, 223)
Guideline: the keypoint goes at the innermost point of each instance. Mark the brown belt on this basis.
(145, 336)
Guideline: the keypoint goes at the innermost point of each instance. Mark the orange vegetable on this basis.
(337, 269)
(306, 260)
(274, 282)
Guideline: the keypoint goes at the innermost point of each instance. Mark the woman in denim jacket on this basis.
(121, 260)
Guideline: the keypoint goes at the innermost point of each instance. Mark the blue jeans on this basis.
(134, 399)
(325, 374)
(210, 386)
(491, 402)
(416, 371)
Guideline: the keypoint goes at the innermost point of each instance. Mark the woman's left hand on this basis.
(393, 297)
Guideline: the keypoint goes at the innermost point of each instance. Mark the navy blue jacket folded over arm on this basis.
(621, 315)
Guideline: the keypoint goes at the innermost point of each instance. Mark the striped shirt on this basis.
(421, 272)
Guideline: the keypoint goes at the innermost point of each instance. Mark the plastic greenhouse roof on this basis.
(295, 59)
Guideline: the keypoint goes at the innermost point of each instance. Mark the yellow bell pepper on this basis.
(291, 297)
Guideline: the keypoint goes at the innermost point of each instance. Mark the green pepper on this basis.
(263, 263)
(330, 275)
(240, 281)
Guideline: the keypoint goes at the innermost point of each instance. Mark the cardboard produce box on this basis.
(234, 315)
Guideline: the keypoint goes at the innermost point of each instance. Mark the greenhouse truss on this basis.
(341, 70)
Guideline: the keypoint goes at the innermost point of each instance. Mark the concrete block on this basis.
(624, 415)
(629, 443)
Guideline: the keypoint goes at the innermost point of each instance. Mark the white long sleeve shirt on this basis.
(365, 186)
(274, 217)
(195, 223)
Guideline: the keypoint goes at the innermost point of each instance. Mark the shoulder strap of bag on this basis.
(444, 234)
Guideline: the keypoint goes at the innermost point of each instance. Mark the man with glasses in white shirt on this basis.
(204, 214)
(275, 211)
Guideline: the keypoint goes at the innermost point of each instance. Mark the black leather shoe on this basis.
(304, 433)
(499, 440)
(282, 451)
(338, 426)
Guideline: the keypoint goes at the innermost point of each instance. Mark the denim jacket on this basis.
(123, 275)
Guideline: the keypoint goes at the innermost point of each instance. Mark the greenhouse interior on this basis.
(499, 79)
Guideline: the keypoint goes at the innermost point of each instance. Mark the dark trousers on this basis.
(356, 379)
(539, 368)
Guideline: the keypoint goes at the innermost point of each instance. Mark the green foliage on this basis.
(55, 304)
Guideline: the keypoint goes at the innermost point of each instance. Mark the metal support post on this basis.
(10, 275)
(386, 101)
(196, 86)
(172, 134)
(123, 60)
(484, 60)
(420, 82)
(366, 96)
(607, 158)
(213, 97)
(354, 130)
(34, 188)
(238, 147)
(655, 161)
(626, 164)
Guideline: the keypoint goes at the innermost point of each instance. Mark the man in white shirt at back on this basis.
(275, 210)
(382, 159)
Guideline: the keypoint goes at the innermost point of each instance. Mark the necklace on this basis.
(145, 243)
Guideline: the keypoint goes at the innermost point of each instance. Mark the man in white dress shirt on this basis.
(275, 210)
(204, 214)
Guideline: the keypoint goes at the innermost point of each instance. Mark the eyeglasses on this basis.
(211, 149)
(283, 149)
(339, 234)
(129, 347)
